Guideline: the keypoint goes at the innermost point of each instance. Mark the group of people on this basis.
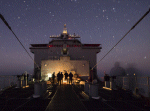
(60, 77)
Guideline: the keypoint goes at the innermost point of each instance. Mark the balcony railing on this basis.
(131, 83)
(7, 81)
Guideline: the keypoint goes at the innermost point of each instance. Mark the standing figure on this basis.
(66, 76)
(59, 78)
(53, 77)
(70, 77)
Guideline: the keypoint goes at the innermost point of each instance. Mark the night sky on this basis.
(96, 21)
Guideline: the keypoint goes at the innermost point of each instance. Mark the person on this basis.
(70, 77)
(117, 70)
(66, 76)
(59, 78)
(53, 77)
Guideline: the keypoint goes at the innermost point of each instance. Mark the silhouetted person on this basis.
(132, 73)
(70, 77)
(117, 70)
(53, 77)
(59, 78)
(132, 70)
(66, 76)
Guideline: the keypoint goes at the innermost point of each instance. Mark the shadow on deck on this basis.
(69, 98)
(65, 99)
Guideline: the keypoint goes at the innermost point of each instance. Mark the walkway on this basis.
(119, 100)
(65, 99)
(20, 99)
(69, 98)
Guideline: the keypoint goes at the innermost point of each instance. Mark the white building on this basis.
(65, 53)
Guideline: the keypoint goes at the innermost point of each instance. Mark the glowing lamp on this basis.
(50, 46)
(49, 75)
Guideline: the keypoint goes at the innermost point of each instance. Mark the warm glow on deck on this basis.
(49, 75)
(107, 88)
(64, 81)
(25, 86)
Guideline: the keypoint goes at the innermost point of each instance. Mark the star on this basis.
(114, 9)
(107, 17)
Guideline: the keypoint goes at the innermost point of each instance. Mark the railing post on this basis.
(136, 82)
(148, 85)
(123, 82)
(4, 82)
(128, 82)
(9, 81)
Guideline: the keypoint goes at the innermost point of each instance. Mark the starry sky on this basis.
(102, 22)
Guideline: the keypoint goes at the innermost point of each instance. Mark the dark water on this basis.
(7, 80)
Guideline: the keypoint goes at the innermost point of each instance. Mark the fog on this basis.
(122, 69)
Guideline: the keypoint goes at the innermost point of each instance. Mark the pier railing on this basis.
(7, 81)
(139, 85)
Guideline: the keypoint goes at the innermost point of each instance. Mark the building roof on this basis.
(65, 35)
(70, 40)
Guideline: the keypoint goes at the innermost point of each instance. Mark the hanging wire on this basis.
(122, 37)
(3, 19)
